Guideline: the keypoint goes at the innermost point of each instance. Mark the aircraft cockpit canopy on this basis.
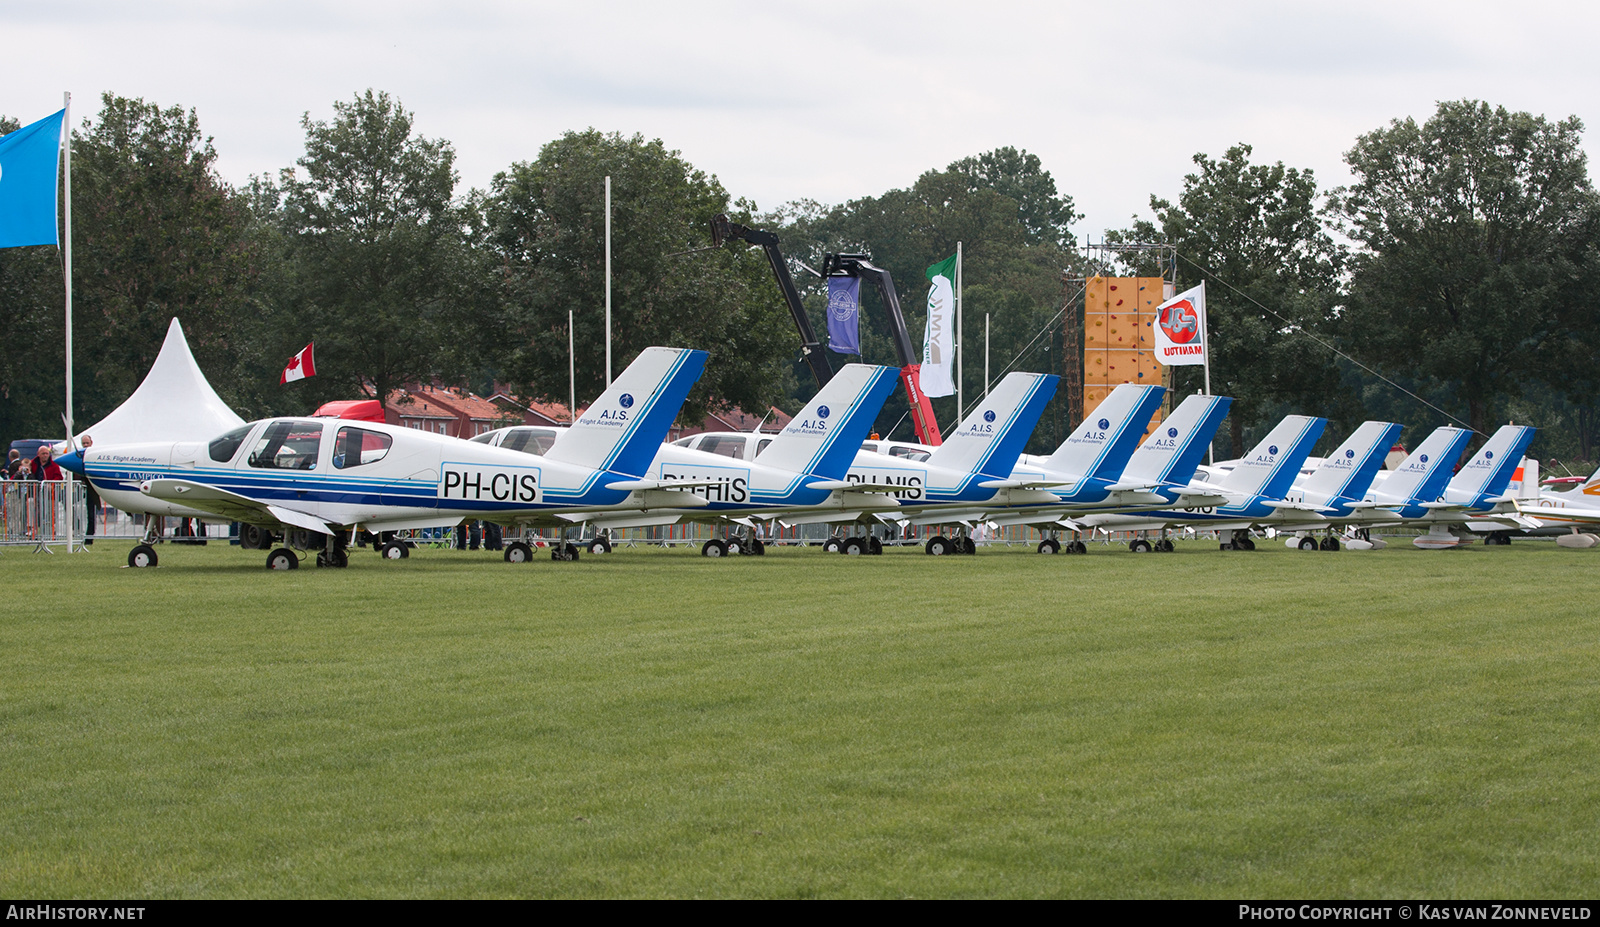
(287, 445)
(224, 447)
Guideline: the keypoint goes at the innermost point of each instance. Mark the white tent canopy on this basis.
(174, 403)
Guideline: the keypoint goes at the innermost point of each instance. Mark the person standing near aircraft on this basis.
(14, 464)
(44, 468)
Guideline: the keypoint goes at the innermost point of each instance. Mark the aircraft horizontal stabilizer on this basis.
(1295, 506)
(1024, 484)
(673, 484)
(848, 486)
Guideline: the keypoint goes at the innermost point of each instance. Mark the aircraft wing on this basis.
(231, 505)
(1566, 514)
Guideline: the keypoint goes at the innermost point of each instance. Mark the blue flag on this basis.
(28, 161)
(844, 314)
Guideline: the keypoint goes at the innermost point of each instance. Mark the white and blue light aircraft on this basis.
(1475, 499)
(1242, 497)
(1156, 474)
(790, 472)
(326, 478)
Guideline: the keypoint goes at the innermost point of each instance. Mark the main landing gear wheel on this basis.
(1139, 546)
(1049, 546)
(142, 555)
(966, 545)
(874, 547)
(1308, 543)
(394, 550)
(1165, 546)
(518, 552)
(567, 551)
(735, 547)
(1329, 543)
(333, 558)
(600, 545)
(283, 559)
(833, 545)
(713, 548)
(855, 547)
(758, 547)
(938, 546)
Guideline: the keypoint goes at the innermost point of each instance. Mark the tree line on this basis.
(1453, 277)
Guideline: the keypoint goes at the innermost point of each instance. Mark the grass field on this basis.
(1394, 723)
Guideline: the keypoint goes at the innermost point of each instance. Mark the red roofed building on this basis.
(736, 419)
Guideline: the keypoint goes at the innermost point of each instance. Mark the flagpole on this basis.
(608, 281)
(1205, 342)
(986, 355)
(961, 405)
(572, 375)
(66, 122)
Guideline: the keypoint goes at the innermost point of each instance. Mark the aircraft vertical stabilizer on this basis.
(823, 439)
(1422, 475)
(1489, 471)
(1173, 450)
(1271, 465)
(1101, 445)
(990, 439)
(1348, 472)
(624, 428)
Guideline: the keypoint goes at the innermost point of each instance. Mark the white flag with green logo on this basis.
(938, 341)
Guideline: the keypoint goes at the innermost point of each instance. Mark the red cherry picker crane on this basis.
(842, 265)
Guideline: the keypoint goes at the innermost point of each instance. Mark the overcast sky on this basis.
(826, 101)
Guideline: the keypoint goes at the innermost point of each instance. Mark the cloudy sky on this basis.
(826, 101)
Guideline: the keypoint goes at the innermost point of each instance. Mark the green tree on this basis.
(1477, 231)
(546, 221)
(156, 234)
(1255, 232)
(377, 263)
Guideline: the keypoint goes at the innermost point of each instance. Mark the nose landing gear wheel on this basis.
(283, 559)
(758, 547)
(518, 552)
(735, 547)
(874, 547)
(1329, 543)
(1165, 546)
(142, 555)
(567, 551)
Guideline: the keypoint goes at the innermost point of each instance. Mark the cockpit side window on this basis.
(353, 447)
(223, 448)
(725, 445)
(910, 453)
(763, 445)
(529, 440)
(287, 446)
(485, 438)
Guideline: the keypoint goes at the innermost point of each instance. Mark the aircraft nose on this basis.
(72, 461)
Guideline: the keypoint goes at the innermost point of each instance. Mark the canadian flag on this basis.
(302, 365)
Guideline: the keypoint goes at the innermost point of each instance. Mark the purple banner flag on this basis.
(844, 314)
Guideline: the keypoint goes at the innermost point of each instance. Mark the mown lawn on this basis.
(1394, 723)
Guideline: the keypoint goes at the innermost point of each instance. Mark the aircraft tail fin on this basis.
(1422, 475)
(1173, 450)
(1489, 471)
(1348, 472)
(1103, 443)
(622, 431)
(990, 439)
(824, 438)
(1271, 466)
